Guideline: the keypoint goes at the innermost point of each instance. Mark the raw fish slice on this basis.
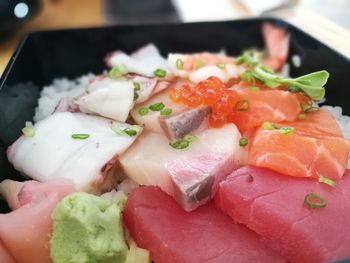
(277, 45)
(272, 205)
(172, 235)
(109, 98)
(266, 104)
(53, 154)
(186, 122)
(151, 121)
(26, 231)
(201, 66)
(191, 174)
(315, 149)
(143, 62)
(5, 256)
(18, 194)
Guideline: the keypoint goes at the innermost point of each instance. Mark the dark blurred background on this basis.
(328, 21)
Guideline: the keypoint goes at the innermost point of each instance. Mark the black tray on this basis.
(43, 56)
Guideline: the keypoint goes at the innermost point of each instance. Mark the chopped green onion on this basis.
(315, 201)
(137, 88)
(327, 181)
(198, 63)
(242, 105)
(179, 144)
(179, 64)
(117, 71)
(160, 73)
(221, 65)
(28, 130)
(129, 131)
(269, 126)
(254, 89)
(286, 130)
(143, 111)
(166, 112)
(190, 138)
(80, 136)
(302, 116)
(157, 106)
(308, 108)
(243, 142)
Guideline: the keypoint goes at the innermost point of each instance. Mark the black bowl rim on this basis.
(24, 39)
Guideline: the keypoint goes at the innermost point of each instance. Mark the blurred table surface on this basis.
(86, 13)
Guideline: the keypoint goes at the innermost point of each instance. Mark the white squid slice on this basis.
(53, 154)
(109, 98)
(143, 62)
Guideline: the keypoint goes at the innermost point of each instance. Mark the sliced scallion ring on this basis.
(242, 105)
(179, 64)
(80, 136)
(179, 144)
(117, 71)
(160, 73)
(143, 111)
(286, 130)
(327, 181)
(269, 126)
(243, 142)
(28, 130)
(157, 106)
(313, 200)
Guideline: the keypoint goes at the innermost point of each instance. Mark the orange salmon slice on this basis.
(316, 148)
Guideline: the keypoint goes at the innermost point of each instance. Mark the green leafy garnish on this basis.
(117, 71)
(311, 84)
(80, 136)
(157, 106)
(160, 73)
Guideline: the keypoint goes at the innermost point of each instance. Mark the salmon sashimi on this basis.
(274, 206)
(5, 256)
(265, 104)
(315, 148)
(277, 45)
(157, 223)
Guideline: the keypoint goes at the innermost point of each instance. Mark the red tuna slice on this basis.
(158, 223)
(273, 206)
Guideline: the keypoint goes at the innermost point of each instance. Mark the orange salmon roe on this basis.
(211, 92)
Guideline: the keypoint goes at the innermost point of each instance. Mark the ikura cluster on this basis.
(211, 92)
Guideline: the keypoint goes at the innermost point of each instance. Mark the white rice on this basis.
(59, 89)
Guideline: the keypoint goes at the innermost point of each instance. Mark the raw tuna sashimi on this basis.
(157, 223)
(316, 148)
(273, 206)
(266, 104)
(190, 174)
(26, 231)
(53, 153)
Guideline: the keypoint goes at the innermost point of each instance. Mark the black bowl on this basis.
(43, 56)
